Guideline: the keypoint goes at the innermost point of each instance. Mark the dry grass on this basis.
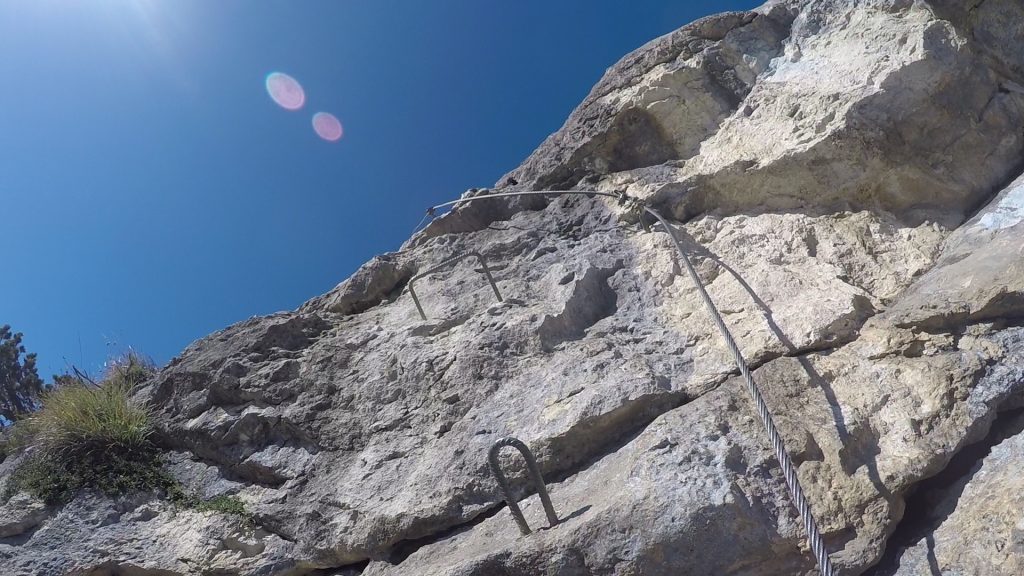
(80, 418)
(90, 436)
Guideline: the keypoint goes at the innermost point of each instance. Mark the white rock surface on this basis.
(824, 163)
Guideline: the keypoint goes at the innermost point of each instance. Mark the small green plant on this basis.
(130, 369)
(224, 505)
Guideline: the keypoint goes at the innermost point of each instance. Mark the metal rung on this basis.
(538, 481)
(448, 262)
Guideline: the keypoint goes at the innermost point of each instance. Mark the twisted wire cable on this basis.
(422, 220)
(789, 473)
(814, 538)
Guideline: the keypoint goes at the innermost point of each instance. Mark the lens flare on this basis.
(285, 91)
(327, 126)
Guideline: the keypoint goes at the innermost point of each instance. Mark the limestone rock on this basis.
(662, 101)
(698, 491)
(94, 535)
(844, 176)
(21, 514)
(980, 275)
(971, 522)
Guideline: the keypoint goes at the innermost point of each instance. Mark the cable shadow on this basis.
(933, 562)
(854, 444)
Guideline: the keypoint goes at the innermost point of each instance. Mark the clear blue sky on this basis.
(151, 192)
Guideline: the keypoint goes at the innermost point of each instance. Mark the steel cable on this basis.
(814, 538)
(789, 472)
(422, 220)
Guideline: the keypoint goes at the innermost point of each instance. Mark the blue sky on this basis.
(151, 192)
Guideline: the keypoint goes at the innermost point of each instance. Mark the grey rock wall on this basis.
(843, 175)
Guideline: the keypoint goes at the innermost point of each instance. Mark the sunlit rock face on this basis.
(844, 176)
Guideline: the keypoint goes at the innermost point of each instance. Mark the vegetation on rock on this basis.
(90, 435)
(20, 384)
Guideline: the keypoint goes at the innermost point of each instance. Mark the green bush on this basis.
(90, 435)
(56, 482)
(80, 421)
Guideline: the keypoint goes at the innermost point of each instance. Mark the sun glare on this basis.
(285, 91)
(327, 126)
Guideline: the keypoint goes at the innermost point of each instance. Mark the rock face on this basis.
(968, 517)
(844, 176)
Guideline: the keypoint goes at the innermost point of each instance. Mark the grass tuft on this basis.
(91, 435)
(83, 422)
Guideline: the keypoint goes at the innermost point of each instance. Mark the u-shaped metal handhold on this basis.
(483, 263)
(538, 481)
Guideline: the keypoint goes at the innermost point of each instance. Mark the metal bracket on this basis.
(538, 481)
(483, 263)
(635, 206)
